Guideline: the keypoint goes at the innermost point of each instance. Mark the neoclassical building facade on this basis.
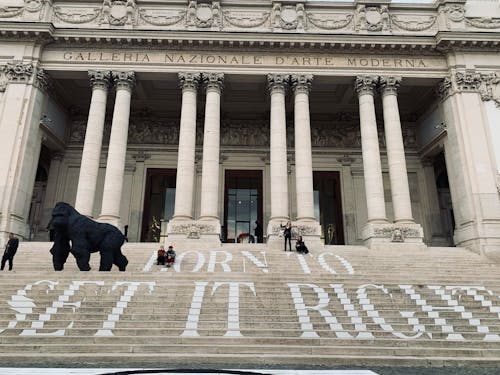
(363, 123)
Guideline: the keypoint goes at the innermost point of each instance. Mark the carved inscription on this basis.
(177, 58)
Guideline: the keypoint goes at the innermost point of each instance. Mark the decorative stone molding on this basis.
(411, 23)
(3, 78)
(77, 15)
(11, 11)
(345, 160)
(468, 81)
(373, 18)
(141, 156)
(483, 22)
(365, 84)
(124, 80)
(394, 232)
(192, 229)
(19, 72)
(43, 81)
(157, 17)
(246, 20)
(189, 81)
(203, 15)
(214, 81)
(455, 12)
(329, 21)
(490, 87)
(444, 88)
(389, 84)
(99, 79)
(118, 12)
(301, 83)
(288, 17)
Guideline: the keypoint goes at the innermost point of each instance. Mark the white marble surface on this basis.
(75, 371)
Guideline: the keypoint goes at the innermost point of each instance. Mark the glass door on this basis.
(328, 206)
(159, 202)
(242, 206)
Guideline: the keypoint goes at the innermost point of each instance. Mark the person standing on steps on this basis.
(258, 231)
(287, 234)
(10, 251)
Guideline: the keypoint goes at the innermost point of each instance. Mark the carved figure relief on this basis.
(204, 15)
(373, 18)
(244, 133)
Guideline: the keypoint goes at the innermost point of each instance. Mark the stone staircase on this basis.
(252, 307)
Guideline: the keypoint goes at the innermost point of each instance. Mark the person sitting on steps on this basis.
(300, 246)
(161, 256)
(170, 256)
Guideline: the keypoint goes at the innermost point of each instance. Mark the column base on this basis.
(481, 239)
(310, 230)
(110, 219)
(201, 234)
(384, 235)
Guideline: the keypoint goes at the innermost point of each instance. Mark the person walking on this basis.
(10, 251)
(287, 234)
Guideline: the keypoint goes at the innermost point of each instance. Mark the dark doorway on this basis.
(159, 202)
(444, 197)
(328, 206)
(242, 205)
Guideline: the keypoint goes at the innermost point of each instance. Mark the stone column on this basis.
(115, 167)
(211, 147)
(301, 85)
(395, 151)
(277, 84)
(51, 191)
(374, 187)
(91, 154)
(189, 83)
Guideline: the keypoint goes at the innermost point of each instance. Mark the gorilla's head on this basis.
(60, 215)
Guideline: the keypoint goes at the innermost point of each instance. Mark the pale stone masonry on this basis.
(366, 123)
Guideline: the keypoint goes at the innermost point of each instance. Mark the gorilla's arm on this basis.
(81, 252)
(60, 251)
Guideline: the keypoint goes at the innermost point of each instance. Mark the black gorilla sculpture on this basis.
(86, 236)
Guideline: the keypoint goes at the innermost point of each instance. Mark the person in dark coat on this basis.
(300, 246)
(258, 231)
(287, 234)
(10, 251)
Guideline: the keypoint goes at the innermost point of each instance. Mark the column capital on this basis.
(277, 82)
(365, 84)
(124, 80)
(43, 80)
(214, 81)
(390, 84)
(189, 81)
(301, 83)
(443, 88)
(19, 72)
(99, 79)
(467, 81)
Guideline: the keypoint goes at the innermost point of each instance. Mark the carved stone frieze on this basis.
(204, 15)
(11, 11)
(336, 135)
(76, 15)
(329, 21)
(19, 72)
(15, 10)
(373, 18)
(157, 17)
(246, 20)
(455, 12)
(192, 229)
(483, 22)
(244, 133)
(412, 23)
(152, 131)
